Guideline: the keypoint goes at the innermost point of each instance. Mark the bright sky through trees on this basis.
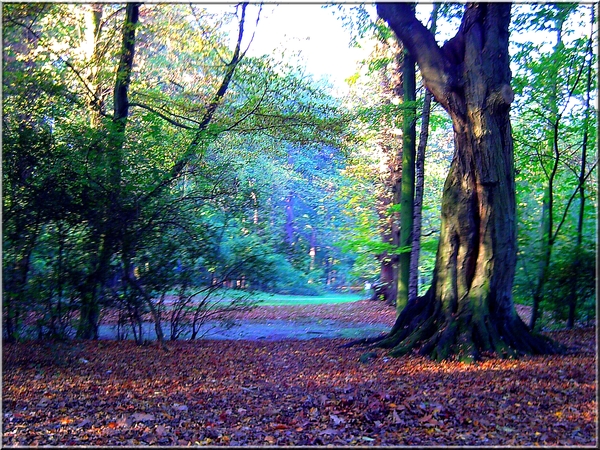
(313, 36)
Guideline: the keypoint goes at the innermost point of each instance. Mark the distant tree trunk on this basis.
(93, 14)
(386, 288)
(545, 252)
(289, 219)
(313, 250)
(15, 284)
(547, 220)
(468, 310)
(572, 300)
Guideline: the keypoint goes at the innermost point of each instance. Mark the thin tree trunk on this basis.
(547, 219)
(156, 317)
(572, 301)
(14, 295)
(289, 220)
(109, 228)
(413, 284)
(408, 179)
(544, 256)
(391, 85)
(93, 15)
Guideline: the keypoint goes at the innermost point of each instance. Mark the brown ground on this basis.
(294, 393)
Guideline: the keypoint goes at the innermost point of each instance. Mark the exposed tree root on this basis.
(424, 327)
(363, 341)
(443, 336)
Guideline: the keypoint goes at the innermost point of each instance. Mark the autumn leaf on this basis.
(142, 417)
(178, 407)
(336, 420)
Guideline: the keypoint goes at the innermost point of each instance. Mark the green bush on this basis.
(572, 277)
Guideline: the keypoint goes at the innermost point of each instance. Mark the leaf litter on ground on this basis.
(293, 392)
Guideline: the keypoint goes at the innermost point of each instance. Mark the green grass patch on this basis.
(300, 300)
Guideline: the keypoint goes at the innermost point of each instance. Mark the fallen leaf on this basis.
(426, 418)
(142, 417)
(84, 423)
(179, 407)
(336, 420)
(416, 402)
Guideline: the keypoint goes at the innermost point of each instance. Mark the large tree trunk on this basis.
(468, 309)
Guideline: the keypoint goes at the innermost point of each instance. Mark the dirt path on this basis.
(353, 320)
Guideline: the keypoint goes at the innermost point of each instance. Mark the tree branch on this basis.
(435, 68)
(571, 198)
(162, 116)
(66, 62)
(201, 133)
(123, 78)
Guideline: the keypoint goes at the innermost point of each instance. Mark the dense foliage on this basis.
(212, 183)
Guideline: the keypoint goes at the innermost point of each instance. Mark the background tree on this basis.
(551, 146)
(382, 123)
(419, 183)
(407, 188)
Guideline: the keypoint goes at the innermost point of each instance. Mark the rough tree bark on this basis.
(468, 310)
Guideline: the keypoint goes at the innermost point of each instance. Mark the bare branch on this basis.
(162, 116)
(572, 197)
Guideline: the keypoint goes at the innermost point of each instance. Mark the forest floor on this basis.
(294, 392)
